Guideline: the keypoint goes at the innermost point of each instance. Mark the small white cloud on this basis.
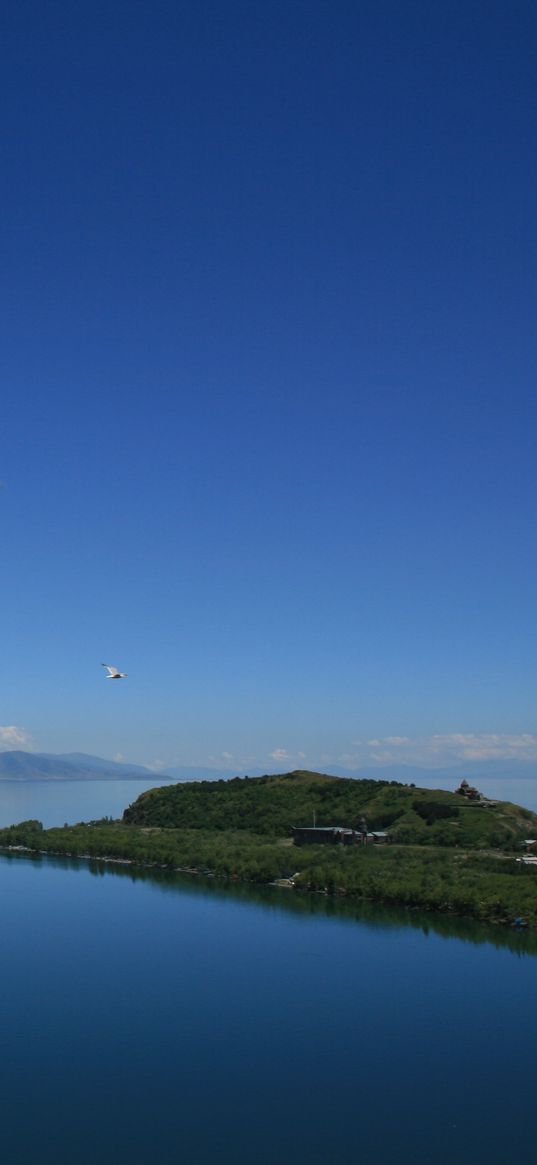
(119, 757)
(12, 737)
(283, 754)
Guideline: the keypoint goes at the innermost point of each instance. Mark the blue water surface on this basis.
(67, 802)
(178, 1021)
(160, 1018)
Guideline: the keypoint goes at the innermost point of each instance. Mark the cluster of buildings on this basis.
(336, 835)
(530, 855)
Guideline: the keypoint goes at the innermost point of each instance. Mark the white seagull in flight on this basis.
(113, 673)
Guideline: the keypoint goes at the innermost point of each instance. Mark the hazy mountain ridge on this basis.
(80, 766)
(474, 771)
(17, 765)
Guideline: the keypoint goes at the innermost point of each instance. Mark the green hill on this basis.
(273, 805)
(240, 830)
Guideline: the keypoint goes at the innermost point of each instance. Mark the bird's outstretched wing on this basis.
(112, 671)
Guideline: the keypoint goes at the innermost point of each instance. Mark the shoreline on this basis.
(279, 884)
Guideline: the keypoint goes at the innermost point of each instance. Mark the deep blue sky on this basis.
(268, 367)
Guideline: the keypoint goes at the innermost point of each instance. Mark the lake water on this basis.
(60, 802)
(157, 1018)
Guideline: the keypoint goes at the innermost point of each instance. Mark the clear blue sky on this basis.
(268, 378)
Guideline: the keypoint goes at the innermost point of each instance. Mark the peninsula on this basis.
(449, 851)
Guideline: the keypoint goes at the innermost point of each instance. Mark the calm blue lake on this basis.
(60, 802)
(173, 1020)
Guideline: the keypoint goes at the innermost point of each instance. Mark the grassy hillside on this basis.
(273, 805)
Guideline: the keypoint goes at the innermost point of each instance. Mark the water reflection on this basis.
(300, 903)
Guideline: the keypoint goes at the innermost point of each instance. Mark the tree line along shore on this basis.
(444, 853)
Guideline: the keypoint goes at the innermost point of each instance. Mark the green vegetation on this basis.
(239, 830)
(273, 805)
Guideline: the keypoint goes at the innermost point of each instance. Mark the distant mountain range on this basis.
(80, 766)
(69, 766)
(474, 771)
